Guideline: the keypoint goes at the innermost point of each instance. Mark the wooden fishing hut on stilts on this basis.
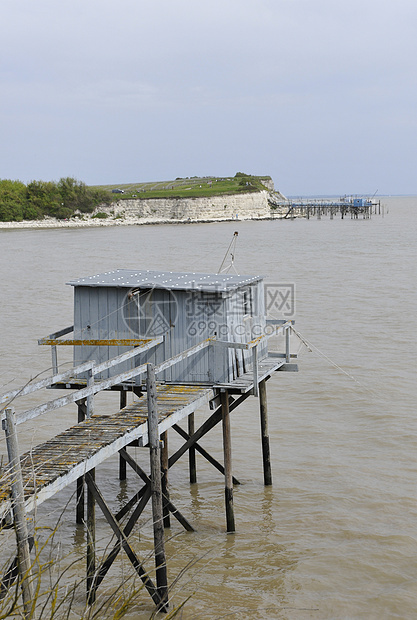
(177, 342)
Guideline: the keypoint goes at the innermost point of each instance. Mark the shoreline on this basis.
(129, 221)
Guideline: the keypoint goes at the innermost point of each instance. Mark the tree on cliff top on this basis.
(47, 198)
(12, 200)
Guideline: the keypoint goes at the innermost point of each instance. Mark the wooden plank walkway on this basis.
(53, 465)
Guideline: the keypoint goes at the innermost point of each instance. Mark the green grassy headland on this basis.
(69, 198)
(190, 187)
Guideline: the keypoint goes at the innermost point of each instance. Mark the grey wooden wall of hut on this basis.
(186, 308)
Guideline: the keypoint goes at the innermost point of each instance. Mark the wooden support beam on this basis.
(136, 563)
(80, 494)
(91, 540)
(129, 505)
(173, 510)
(122, 462)
(82, 410)
(164, 479)
(122, 468)
(90, 398)
(255, 370)
(80, 501)
(203, 452)
(227, 449)
(107, 563)
(19, 512)
(54, 355)
(156, 491)
(266, 456)
(210, 423)
(287, 345)
(191, 452)
(109, 342)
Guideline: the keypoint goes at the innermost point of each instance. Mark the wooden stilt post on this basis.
(157, 512)
(19, 512)
(287, 345)
(90, 399)
(54, 360)
(80, 494)
(255, 370)
(91, 543)
(164, 479)
(227, 449)
(79, 509)
(191, 451)
(266, 456)
(122, 462)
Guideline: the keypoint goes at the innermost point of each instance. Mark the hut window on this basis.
(247, 302)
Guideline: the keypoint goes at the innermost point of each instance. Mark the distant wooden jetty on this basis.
(355, 207)
(174, 342)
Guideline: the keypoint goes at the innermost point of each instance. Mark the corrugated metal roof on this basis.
(129, 278)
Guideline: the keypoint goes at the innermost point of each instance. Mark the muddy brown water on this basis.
(335, 536)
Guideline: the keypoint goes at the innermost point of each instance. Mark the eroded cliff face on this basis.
(250, 206)
(240, 206)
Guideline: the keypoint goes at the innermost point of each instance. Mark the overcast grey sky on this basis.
(320, 94)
